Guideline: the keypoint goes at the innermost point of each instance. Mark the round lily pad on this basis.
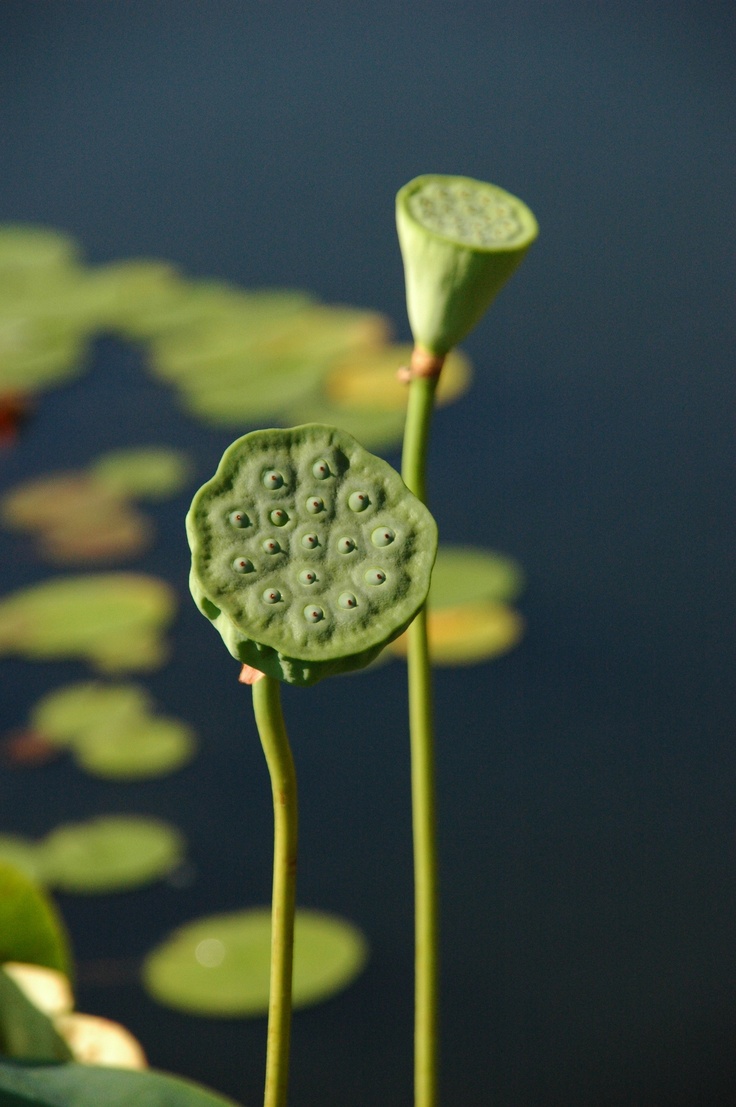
(469, 633)
(114, 619)
(273, 588)
(219, 966)
(110, 853)
(467, 574)
(22, 854)
(368, 379)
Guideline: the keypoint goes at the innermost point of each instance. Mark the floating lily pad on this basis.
(29, 249)
(22, 854)
(469, 633)
(115, 620)
(367, 379)
(219, 966)
(466, 574)
(142, 473)
(31, 930)
(111, 853)
(112, 730)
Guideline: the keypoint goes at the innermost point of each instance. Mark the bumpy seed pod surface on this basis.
(309, 554)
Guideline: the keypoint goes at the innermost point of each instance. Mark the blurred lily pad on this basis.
(27, 249)
(142, 473)
(469, 616)
(219, 966)
(31, 930)
(367, 379)
(114, 620)
(109, 854)
(112, 730)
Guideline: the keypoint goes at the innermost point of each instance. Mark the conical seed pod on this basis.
(314, 592)
(461, 240)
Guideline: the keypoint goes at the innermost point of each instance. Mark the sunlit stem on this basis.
(426, 905)
(275, 742)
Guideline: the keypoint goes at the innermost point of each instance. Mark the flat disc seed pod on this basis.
(322, 597)
(461, 240)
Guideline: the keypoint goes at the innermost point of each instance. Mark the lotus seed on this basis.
(375, 576)
(347, 600)
(310, 541)
(383, 536)
(279, 517)
(313, 614)
(314, 505)
(272, 479)
(307, 576)
(238, 519)
(271, 595)
(358, 501)
(346, 545)
(271, 546)
(321, 469)
(243, 565)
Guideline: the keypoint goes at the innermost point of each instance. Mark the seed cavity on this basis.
(314, 505)
(243, 565)
(271, 595)
(307, 576)
(273, 479)
(382, 536)
(321, 469)
(313, 614)
(310, 541)
(374, 576)
(347, 600)
(345, 545)
(279, 518)
(271, 546)
(358, 501)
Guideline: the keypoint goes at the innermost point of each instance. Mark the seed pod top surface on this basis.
(309, 554)
(461, 240)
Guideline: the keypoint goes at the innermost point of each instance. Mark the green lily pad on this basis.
(31, 930)
(31, 249)
(467, 574)
(74, 1085)
(111, 853)
(112, 731)
(368, 378)
(150, 473)
(22, 854)
(219, 966)
(115, 620)
(468, 633)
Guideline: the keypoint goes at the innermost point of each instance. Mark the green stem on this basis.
(426, 905)
(275, 742)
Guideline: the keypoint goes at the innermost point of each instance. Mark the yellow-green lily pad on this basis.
(219, 966)
(110, 854)
(114, 620)
(22, 854)
(368, 378)
(468, 633)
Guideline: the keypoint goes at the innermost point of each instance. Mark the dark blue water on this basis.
(587, 785)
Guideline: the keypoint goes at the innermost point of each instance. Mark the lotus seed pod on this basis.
(360, 595)
(461, 240)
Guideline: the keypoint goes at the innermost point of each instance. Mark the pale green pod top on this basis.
(461, 240)
(276, 588)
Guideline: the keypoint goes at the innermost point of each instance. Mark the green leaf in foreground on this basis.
(31, 930)
(219, 966)
(72, 1085)
(25, 1032)
(111, 853)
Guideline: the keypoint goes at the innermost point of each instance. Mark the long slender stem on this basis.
(426, 903)
(275, 742)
